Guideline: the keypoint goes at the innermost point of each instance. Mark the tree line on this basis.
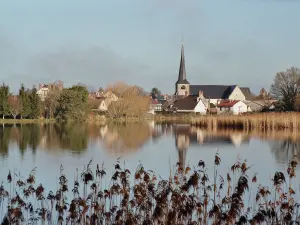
(66, 104)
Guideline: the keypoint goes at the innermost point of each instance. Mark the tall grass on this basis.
(259, 121)
(189, 196)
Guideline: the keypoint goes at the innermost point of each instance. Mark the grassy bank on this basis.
(26, 121)
(189, 196)
(259, 122)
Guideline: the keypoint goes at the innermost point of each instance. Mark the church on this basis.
(213, 93)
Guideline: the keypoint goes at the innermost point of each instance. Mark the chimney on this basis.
(200, 94)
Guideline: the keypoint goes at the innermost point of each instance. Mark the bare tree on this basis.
(286, 88)
(15, 106)
(132, 103)
(51, 103)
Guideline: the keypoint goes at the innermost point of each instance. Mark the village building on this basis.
(212, 93)
(44, 89)
(190, 104)
(260, 105)
(154, 106)
(234, 107)
(101, 102)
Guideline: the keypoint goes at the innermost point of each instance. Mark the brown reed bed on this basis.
(259, 121)
(189, 197)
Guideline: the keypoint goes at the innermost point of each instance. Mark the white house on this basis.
(233, 106)
(102, 106)
(189, 104)
(43, 92)
(155, 106)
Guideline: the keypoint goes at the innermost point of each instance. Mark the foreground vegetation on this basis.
(259, 121)
(189, 196)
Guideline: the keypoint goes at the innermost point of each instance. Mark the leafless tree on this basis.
(15, 106)
(132, 102)
(286, 88)
(51, 103)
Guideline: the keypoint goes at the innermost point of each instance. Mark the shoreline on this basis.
(26, 121)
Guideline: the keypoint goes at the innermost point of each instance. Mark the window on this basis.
(182, 87)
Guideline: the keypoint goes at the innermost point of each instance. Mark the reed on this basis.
(189, 196)
(289, 121)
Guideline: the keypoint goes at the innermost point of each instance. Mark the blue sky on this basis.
(96, 42)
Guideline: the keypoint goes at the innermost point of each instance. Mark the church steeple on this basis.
(182, 85)
(182, 72)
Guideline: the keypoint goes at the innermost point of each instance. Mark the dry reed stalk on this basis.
(259, 121)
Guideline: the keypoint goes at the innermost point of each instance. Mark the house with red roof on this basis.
(235, 107)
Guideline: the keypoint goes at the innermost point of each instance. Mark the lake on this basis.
(156, 146)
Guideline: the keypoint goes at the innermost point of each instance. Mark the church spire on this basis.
(182, 72)
(182, 85)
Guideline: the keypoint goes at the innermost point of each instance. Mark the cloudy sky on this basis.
(99, 42)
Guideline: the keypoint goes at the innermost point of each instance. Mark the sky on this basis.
(97, 42)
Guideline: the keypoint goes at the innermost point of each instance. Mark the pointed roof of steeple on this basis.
(182, 73)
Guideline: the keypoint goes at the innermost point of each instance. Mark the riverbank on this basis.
(26, 121)
(289, 121)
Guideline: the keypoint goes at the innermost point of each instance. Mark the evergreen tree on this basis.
(4, 106)
(72, 104)
(25, 104)
(35, 104)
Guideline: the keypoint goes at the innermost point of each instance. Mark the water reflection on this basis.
(286, 150)
(127, 139)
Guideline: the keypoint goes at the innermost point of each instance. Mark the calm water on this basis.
(155, 146)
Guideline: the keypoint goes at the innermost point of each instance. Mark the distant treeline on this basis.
(65, 104)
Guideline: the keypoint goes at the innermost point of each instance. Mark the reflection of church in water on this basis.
(187, 136)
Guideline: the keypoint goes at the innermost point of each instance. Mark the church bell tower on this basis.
(182, 86)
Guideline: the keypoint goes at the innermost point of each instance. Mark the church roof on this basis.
(246, 91)
(213, 91)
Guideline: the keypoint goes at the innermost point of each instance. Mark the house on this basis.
(235, 107)
(260, 105)
(214, 93)
(189, 104)
(110, 97)
(98, 104)
(44, 89)
(43, 92)
(154, 106)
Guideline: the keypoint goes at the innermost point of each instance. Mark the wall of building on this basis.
(238, 108)
(237, 94)
(183, 91)
(102, 106)
(200, 108)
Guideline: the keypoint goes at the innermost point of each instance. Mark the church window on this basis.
(182, 87)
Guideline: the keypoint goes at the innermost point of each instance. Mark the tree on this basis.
(24, 101)
(15, 105)
(286, 88)
(34, 104)
(72, 104)
(133, 102)
(82, 91)
(4, 106)
(155, 91)
(51, 103)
